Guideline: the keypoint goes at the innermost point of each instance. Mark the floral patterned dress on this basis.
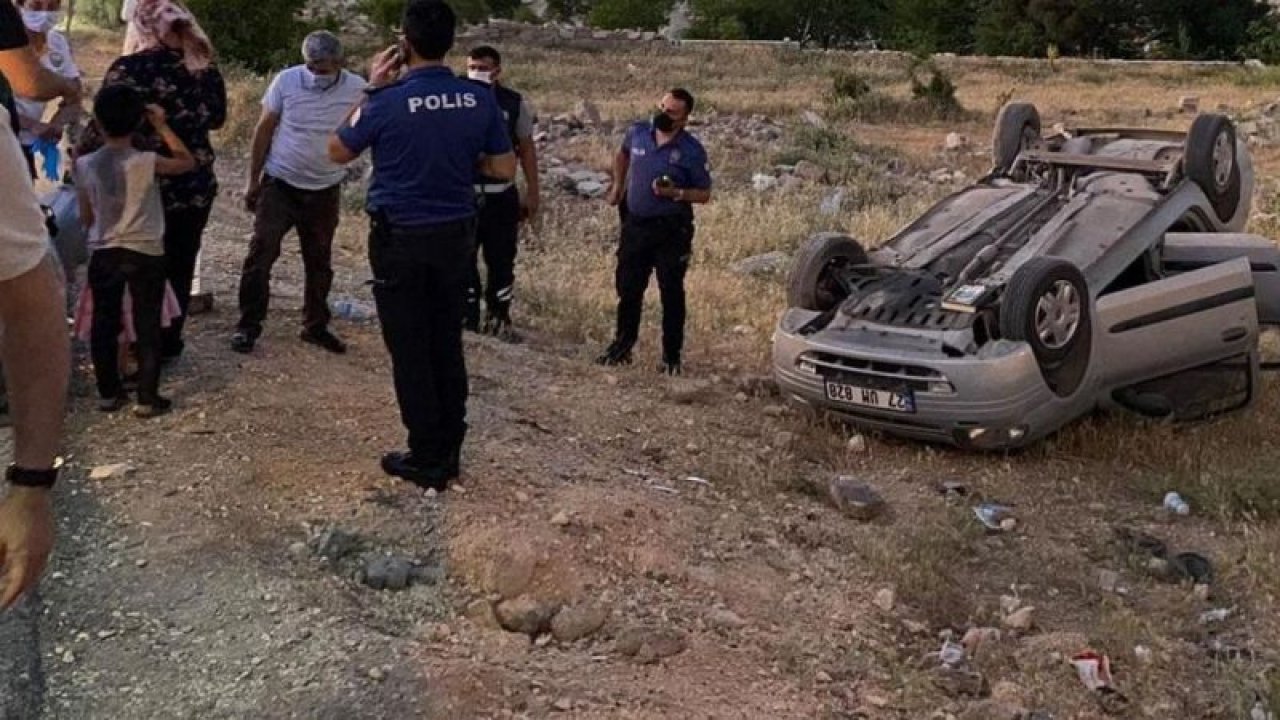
(195, 105)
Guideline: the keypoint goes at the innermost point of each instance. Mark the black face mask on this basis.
(662, 122)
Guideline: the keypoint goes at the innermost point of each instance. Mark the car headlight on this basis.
(806, 366)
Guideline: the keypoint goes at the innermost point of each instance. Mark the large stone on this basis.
(511, 573)
(115, 471)
(590, 189)
(1021, 620)
(648, 644)
(525, 615)
(725, 619)
(587, 111)
(335, 544)
(387, 573)
(811, 171)
(763, 182)
(770, 263)
(578, 621)
(856, 499)
(956, 142)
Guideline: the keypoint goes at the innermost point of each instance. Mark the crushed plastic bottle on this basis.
(352, 310)
(1174, 503)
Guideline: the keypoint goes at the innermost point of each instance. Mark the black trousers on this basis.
(111, 271)
(420, 279)
(661, 245)
(183, 228)
(497, 238)
(281, 208)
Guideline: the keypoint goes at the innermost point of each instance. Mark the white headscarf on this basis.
(152, 20)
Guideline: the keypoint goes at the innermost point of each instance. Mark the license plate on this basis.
(903, 402)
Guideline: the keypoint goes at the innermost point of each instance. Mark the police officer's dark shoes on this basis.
(321, 337)
(500, 327)
(670, 366)
(242, 341)
(616, 354)
(430, 477)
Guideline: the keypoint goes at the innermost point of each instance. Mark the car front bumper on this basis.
(998, 400)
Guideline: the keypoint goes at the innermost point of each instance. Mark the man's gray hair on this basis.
(321, 45)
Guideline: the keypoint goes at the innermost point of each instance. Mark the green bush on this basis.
(103, 13)
(262, 36)
(938, 92)
(630, 14)
(386, 14)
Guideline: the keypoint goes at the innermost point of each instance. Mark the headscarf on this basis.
(153, 19)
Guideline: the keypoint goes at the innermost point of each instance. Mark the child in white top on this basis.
(121, 207)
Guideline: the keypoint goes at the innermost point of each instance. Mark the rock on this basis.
(1247, 128)
(335, 544)
(822, 676)
(560, 519)
(956, 142)
(1021, 620)
(562, 705)
(525, 615)
(725, 619)
(885, 600)
(648, 644)
(590, 189)
(757, 385)
(857, 444)
(587, 112)
(980, 640)
(774, 411)
(1255, 64)
(1161, 569)
(114, 471)
(1108, 580)
(940, 177)
(1189, 104)
(814, 119)
(511, 573)
(1009, 604)
(958, 682)
(994, 710)
(770, 263)
(831, 204)
(578, 621)
(298, 549)
(762, 182)
(684, 391)
(810, 171)
(387, 573)
(855, 499)
(481, 613)
(376, 674)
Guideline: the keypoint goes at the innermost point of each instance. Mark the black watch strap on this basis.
(26, 477)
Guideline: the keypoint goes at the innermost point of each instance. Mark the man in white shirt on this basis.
(41, 17)
(293, 185)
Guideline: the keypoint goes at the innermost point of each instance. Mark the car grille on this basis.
(876, 374)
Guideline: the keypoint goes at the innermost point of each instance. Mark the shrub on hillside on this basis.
(630, 14)
(386, 14)
(262, 36)
(849, 86)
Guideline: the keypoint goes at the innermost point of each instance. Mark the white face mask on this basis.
(481, 76)
(323, 82)
(40, 21)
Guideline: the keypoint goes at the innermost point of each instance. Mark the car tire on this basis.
(1017, 125)
(1209, 160)
(1047, 305)
(812, 284)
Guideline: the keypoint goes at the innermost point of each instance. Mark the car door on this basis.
(1176, 323)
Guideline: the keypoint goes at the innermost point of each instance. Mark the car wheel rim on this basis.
(1058, 314)
(1223, 161)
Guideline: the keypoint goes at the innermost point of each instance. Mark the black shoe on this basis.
(615, 354)
(113, 404)
(154, 407)
(429, 477)
(500, 328)
(323, 338)
(242, 341)
(670, 366)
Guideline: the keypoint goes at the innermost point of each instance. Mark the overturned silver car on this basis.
(1090, 268)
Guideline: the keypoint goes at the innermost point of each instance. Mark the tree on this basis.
(1203, 29)
(569, 9)
(1084, 27)
(260, 35)
(829, 23)
(930, 26)
(1005, 27)
(637, 14)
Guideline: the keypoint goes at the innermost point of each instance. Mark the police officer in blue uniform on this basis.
(660, 172)
(430, 133)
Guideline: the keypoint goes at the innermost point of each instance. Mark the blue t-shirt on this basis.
(427, 132)
(683, 159)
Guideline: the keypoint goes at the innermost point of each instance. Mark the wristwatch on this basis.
(26, 477)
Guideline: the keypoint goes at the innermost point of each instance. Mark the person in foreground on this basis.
(430, 134)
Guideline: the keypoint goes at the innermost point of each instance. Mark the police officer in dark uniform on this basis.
(661, 171)
(502, 209)
(428, 130)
